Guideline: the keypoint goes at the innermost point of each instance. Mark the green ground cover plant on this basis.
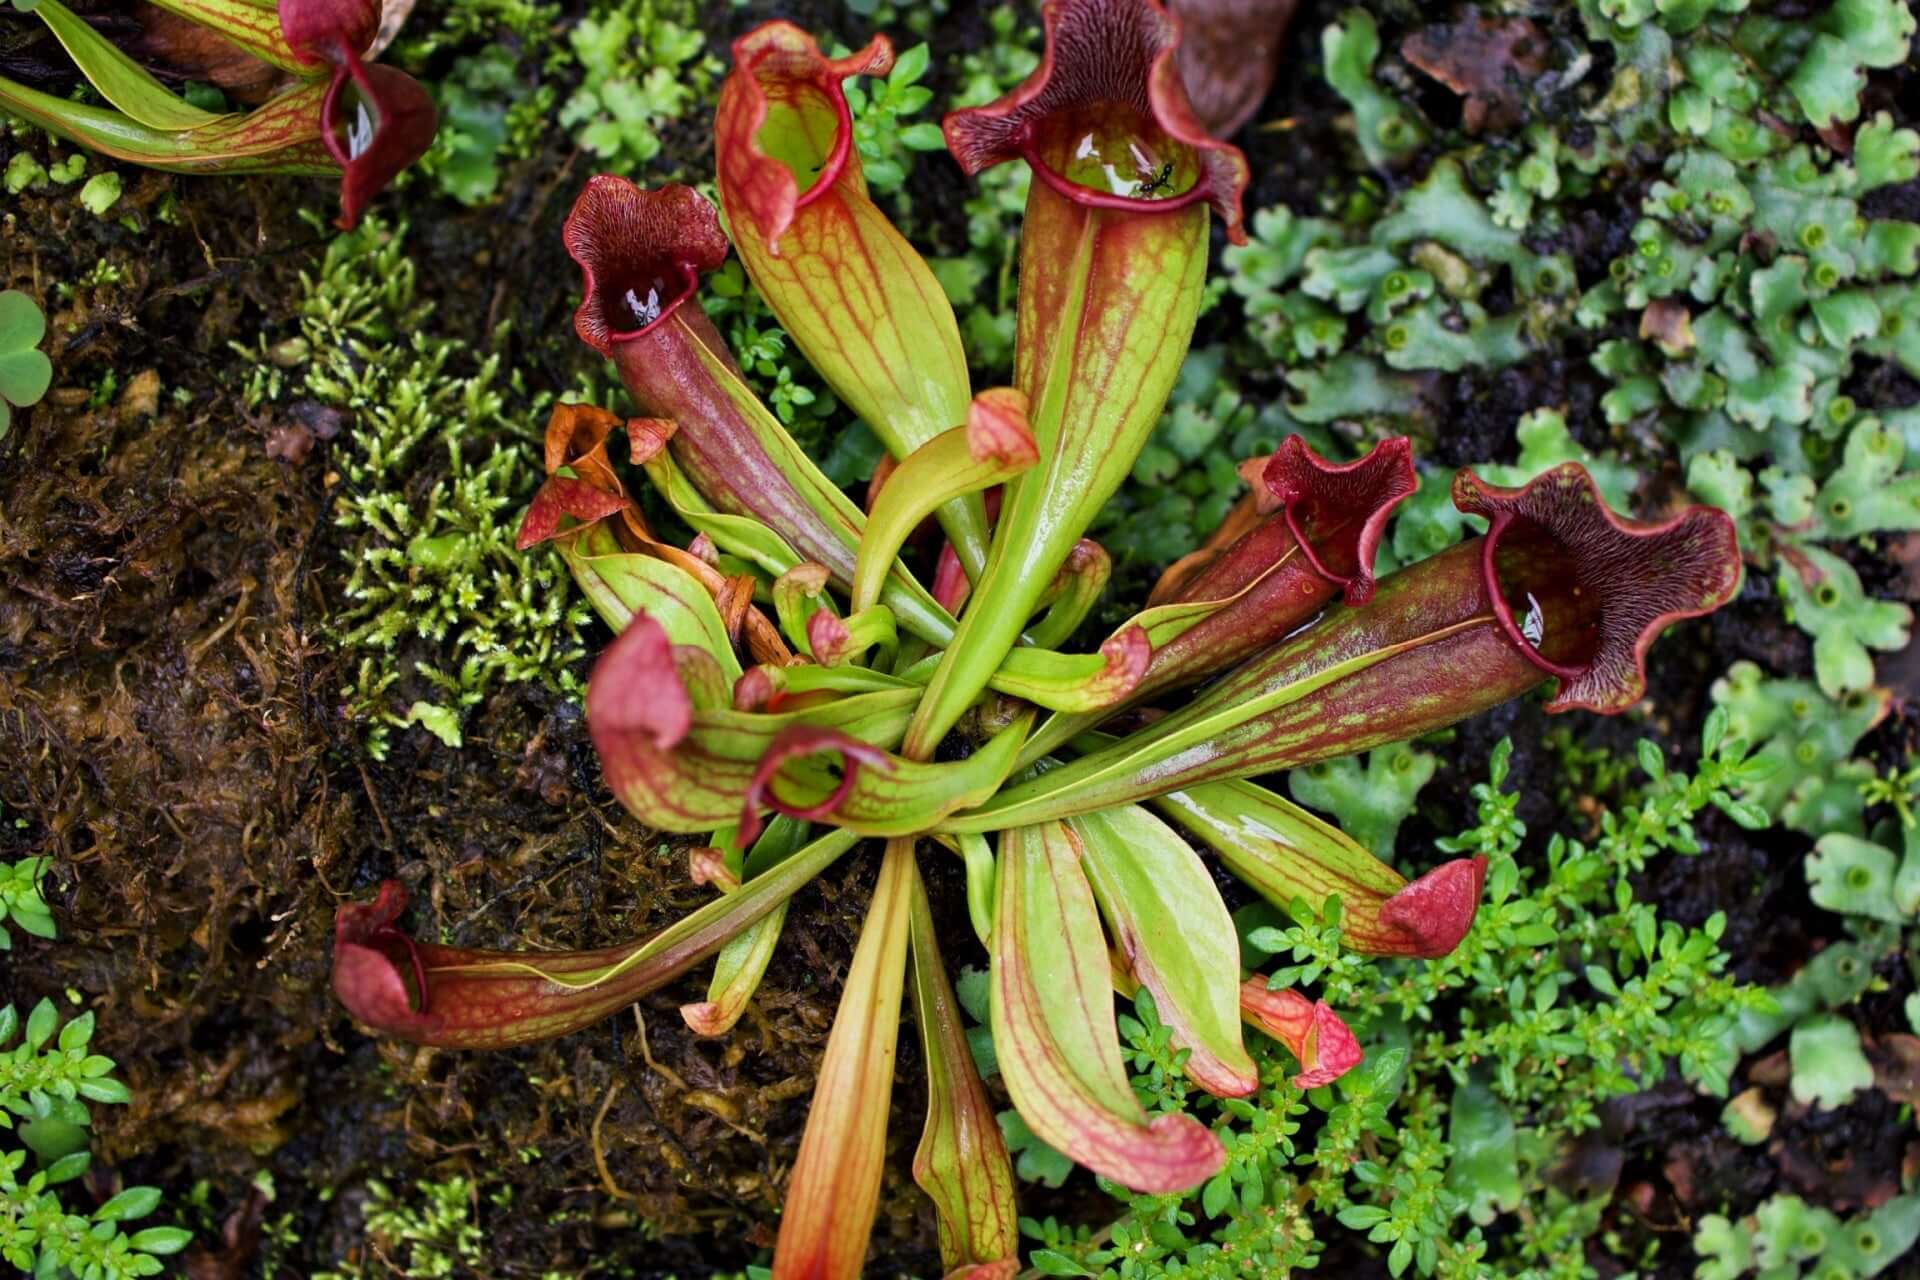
(48, 1078)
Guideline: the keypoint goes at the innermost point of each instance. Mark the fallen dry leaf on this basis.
(1773, 1070)
(1679, 1174)
(1487, 61)
(189, 49)
(1669, 326)
(1905, 551)
(1228, 54)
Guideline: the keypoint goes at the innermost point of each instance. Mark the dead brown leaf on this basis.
(1904, 550)
(1487, 61)
(188, 48)
(1228, 51)
(1669, 326)
(1679, 1173)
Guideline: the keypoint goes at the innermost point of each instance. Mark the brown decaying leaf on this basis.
(289, 443)
(1678, 1169)
(188, 49)
(1751, 1106)
(1905, 551)
(393, 16)
(1228, 55)
(1773, 1070)
(1900, 671)
(1669, 326)
(1487, 61)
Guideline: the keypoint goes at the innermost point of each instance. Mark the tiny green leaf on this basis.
(161, 1240)
(442, 722)
(1828, 1065)
(25, 373)
(101, 193)
(134, 1202)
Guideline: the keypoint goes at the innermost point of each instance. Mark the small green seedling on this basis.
(101, 193)
(47, 1080)
(24, 371)
(1828, 1066)
(20, 900)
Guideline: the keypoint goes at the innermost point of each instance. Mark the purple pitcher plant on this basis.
(784, 687)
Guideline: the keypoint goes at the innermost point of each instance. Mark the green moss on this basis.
(433, 1233)
(430, 478)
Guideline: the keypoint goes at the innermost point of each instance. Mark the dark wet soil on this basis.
(170, 709)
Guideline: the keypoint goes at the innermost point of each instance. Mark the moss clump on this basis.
(426, 487)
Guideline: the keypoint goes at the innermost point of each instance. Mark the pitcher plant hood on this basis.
(1105, 120)
(1593, 588)
(642, 253)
